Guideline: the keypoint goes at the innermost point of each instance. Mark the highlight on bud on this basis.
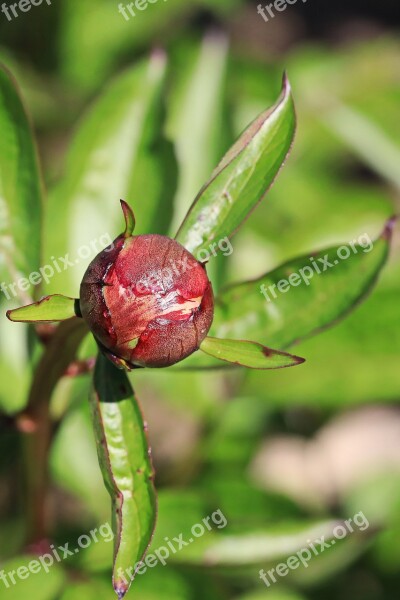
(146, 299)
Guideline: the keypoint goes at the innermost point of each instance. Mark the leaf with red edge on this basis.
(242, 178)
(125, 462)
(248, 354)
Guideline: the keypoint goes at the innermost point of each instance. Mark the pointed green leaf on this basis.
(125, 462)
(119, 152)
(47, 310)
(248, 354)
(242, 177)
(305, 305)
(20, 185)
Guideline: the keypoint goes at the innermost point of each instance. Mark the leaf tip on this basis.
(295, 360)
(120, 591)
(129, 219)
(121, 586)
(286, 87)
(387, 232)
(298, 360)
(9, 315)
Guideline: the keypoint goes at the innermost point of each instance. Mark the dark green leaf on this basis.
(242, 177)
(125, 462)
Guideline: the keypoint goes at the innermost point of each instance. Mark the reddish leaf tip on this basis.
(298, 360)
(286, 87)
(389, 226)
(158, 55)
(121, 589)
(129, 218)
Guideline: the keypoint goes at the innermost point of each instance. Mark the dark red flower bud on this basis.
(146, 299)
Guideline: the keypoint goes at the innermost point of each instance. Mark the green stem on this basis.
(35, 422)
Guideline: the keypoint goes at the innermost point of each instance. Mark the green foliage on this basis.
(119, 151)
(48, 309)
(184, 111)
(317, 291)
(41, 585)
(248, 354)
(125, 462)
(20, 186)
(242, 177)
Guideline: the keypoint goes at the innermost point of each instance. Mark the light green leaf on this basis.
(164, 584)
(306, 306)
(258, 547)
(47, 310)
(20, 185)
(88, 54)
(268, 594)
(119, 152)
(367, 140)
(196, 116)
(36, 584)
(242, 177)
(125, 462)
(248, 354)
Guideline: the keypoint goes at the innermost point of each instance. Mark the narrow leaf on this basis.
(20, 185)
(125, 462)
(367, 140)
(242, 177)
(308, 302)
(47, 310)
(196, 117)
(248, 354)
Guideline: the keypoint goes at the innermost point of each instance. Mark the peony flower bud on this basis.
(146, 299)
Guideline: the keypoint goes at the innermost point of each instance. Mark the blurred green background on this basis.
(277, 452)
